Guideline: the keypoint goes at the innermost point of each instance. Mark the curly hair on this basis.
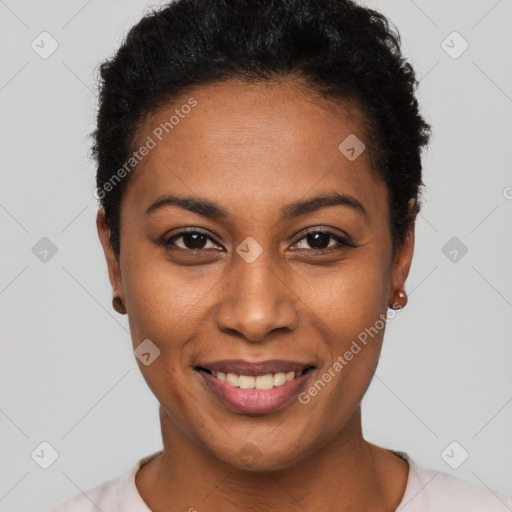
(340, 49)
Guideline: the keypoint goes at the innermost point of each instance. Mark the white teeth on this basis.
(232, 378)
(290, 375)
(263, 382)
(246, 382)
(279, 378)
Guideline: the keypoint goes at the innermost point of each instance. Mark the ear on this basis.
(403, 258)
(114, 272)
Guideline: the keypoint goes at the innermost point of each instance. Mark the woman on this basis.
(259, 176)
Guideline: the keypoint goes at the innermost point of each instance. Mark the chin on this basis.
(262, 457)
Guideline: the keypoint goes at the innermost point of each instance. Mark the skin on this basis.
(253, 149)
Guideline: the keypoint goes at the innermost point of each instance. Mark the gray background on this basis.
(67, 372)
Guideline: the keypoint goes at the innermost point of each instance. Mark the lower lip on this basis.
(256, 400)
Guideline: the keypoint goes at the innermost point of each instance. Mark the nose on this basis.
(256, 300)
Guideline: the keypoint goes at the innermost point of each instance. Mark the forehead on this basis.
(245, 142)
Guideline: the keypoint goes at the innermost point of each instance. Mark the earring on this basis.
(401, 302)
(118, 305)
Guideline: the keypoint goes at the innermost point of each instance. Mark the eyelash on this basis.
(343, 242)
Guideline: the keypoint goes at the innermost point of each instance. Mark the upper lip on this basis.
(254, 368)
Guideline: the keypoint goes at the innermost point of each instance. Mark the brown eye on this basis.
(192, 240)
(318, 240)
(322, 240)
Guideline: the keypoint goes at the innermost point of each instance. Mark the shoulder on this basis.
(119, 494)
(103, 497)
(429, 490)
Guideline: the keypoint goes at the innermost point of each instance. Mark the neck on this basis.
(348, 473)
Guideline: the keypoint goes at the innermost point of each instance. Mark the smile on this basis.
(267, 381)
(255, 387)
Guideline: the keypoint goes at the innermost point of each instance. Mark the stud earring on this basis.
(118, 305)
(401, 302)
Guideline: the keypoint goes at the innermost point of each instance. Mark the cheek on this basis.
(348, 299)
(162, 306)
(162, 300)
(350, 306)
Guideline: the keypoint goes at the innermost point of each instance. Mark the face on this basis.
(252, 278)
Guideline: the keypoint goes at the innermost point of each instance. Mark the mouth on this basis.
(248, 380)
(255, 387)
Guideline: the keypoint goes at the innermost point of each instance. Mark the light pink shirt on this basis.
(427, 490)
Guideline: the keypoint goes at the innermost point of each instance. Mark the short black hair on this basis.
(342, 50)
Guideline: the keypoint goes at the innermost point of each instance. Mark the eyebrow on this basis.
(210, 209)
(322, 201)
